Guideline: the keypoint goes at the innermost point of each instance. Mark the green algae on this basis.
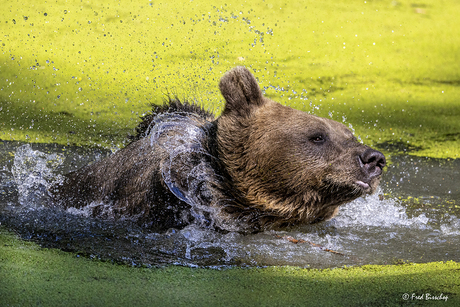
(83, 73)
(31, 275)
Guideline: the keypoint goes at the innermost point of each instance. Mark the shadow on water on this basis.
(415, 217)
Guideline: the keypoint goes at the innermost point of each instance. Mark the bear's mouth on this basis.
(363, 185)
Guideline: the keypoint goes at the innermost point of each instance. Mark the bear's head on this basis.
(289, 165)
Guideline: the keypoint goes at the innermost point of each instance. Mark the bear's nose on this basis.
(372, 161)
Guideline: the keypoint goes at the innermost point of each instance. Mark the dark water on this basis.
(414, 217)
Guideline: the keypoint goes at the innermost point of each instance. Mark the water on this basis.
(414, 217)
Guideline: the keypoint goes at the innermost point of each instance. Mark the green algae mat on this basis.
(31, 276)
(81, 72)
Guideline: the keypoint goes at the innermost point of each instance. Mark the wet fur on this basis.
(268, 168)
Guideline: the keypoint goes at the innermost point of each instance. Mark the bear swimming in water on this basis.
(260, 165)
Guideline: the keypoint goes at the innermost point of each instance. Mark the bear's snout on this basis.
(372, 162)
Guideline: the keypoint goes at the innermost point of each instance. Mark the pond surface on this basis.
(414, 217)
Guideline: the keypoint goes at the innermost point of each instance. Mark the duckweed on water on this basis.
(82, 74)
(34, 276)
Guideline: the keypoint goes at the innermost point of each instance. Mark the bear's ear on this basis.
(241, 91)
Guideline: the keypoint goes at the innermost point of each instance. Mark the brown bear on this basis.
(260, 165)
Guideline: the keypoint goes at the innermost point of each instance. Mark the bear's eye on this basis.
(318, 139)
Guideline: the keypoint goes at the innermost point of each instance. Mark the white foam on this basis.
(371, 211)
(451, 226)
(33, 172)
(105, 210)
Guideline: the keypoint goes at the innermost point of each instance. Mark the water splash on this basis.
(371, 211)
(451, 225)
(34, 173)
(183, 136)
